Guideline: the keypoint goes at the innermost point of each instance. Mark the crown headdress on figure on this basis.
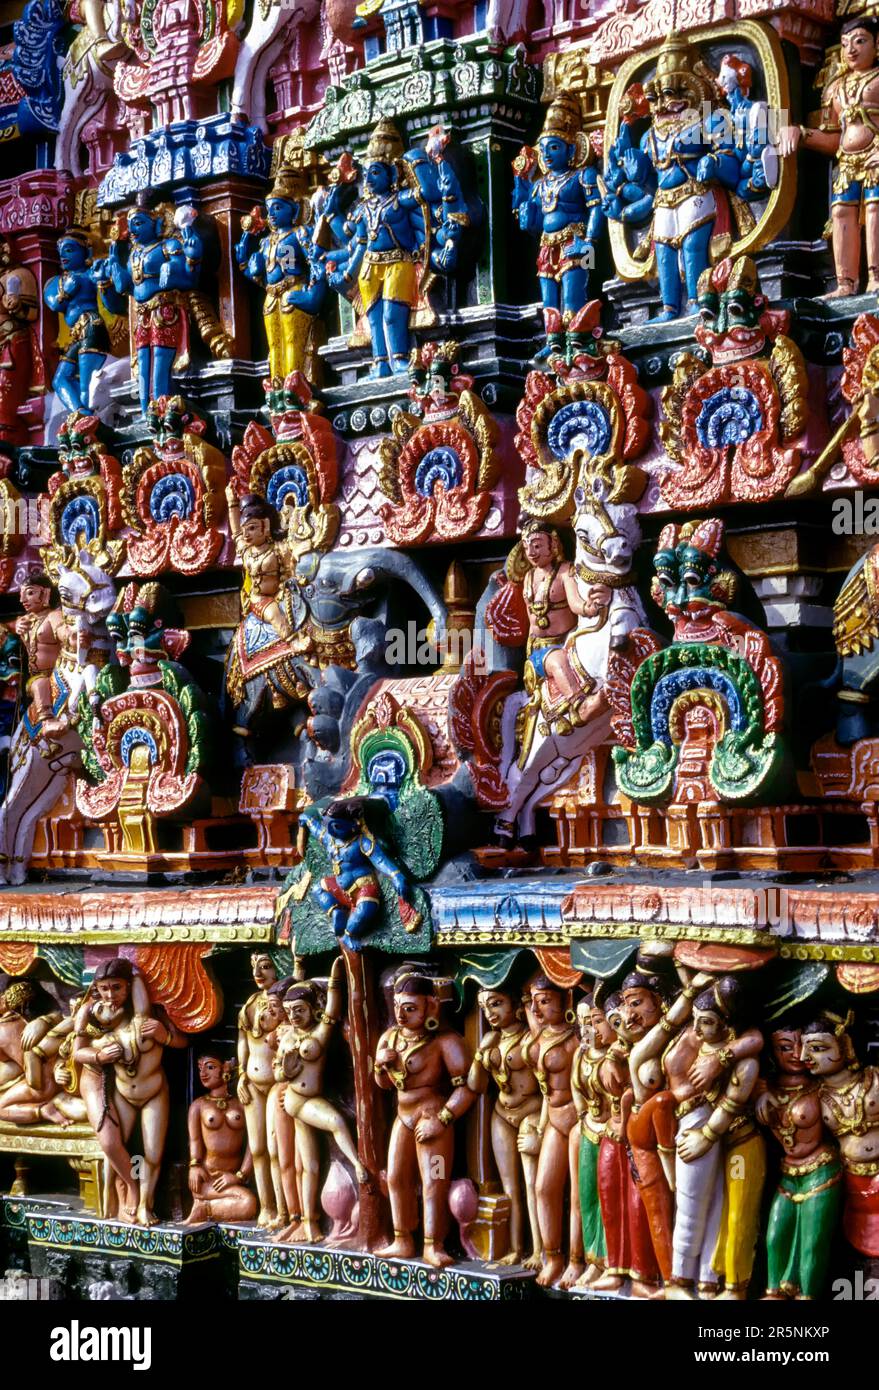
(564, 117)
(160, 212)
(75, 233)
(295, 170)
(290, 184)
(385, 143)
(679, 66)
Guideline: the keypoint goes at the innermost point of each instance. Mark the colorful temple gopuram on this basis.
(439, 648)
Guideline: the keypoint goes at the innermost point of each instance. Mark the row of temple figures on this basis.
(649, 1111)
(681, 186)
(627, 1133)
(687, 189)
(380, 247)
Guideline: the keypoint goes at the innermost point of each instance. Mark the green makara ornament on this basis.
(702, 718)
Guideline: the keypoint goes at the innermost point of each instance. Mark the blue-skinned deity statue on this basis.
(407, 219)
(351, 894)
(750, 170)
(156, 267)
(74, 295)
(277, 253)
(556, 196)
(675, 180)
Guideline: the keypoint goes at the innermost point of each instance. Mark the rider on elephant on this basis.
(264, 559)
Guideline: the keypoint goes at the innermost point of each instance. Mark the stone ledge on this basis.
(70, 1231)
(373, 1276)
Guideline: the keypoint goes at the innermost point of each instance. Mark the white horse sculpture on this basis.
(39, 761)
(271, 32)
(506, 19)
(88, 76)
(545, 734)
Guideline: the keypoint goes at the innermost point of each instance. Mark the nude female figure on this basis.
(257, 1043)
(516, 1113)
(549, 1054)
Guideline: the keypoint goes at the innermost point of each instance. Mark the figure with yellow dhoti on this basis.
(380, 244)
(382, 249)
(281, 262)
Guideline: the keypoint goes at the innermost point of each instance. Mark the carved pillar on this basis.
(226, 201)
(37, 249)
(364, 1030)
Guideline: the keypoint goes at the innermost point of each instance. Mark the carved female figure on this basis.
(805, 1208)
(257, 1042)
(850, 1109)
(219, 1163)
(549, 1053)
(627, 1232)
(717, 1206)
(300, 1063)
(427, 1064)
(593, 1110)
(515, 1115)
(848, 133)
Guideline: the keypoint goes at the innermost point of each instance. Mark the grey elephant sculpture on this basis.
(342, 602)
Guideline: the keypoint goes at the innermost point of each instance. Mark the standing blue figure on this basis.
(750, 169)
(157, 270)
(683, 189)
(563, 205)
(74, 295)
(629, 176)
(409, 215)
(351, 895)
(282, 262)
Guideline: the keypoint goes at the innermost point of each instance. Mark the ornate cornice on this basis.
(227, 914)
